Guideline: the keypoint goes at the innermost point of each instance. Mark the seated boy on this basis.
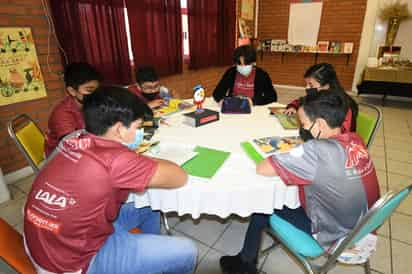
(335, 175)
(247, 79)
(148, 87)
(80, 79)
(75, 218)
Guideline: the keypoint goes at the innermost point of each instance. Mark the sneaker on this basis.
(235, 265)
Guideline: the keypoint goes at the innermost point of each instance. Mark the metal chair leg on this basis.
(270, 248)
(367, 267)
(166, 224)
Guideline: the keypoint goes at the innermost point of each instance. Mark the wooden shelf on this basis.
(348, 55)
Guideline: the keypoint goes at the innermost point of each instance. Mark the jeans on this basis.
(144, 253)
(259, 222)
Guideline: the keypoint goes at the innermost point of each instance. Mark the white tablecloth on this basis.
(235, 188)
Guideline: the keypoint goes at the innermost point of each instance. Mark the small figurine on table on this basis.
(198, 97)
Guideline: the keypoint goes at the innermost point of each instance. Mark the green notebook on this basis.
(206, 163)
(251, 152)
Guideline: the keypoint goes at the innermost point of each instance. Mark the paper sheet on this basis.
(304, 22)
(176, 153)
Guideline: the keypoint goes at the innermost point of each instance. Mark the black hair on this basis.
(326, 104)
(76, 74)
(325, 74)
(109, 105)
(248, 53)
(146, 74)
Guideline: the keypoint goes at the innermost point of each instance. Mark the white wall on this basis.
(367, 37)
(374, 34)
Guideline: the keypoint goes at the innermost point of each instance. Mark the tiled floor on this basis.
(392, 155)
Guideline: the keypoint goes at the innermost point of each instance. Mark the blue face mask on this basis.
(244, 70)
(137, 139)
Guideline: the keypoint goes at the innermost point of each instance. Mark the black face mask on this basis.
(150, 96)
(305, 134)
(311, 91)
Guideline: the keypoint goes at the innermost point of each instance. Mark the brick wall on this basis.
(342, 20)
(29, 13)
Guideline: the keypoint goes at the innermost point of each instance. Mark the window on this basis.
(185, 29)
(129, 41)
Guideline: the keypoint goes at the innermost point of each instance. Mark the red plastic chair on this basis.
(12, 249)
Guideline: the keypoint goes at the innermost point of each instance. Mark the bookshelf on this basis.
(316, 54)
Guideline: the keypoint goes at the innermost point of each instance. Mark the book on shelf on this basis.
(261, 148)
(266, 44)
(277, 45)
(347, 47)
(297, 48)
(323, 46)
(289, 48)
(310, 48)
(286, 121)
(335, 47)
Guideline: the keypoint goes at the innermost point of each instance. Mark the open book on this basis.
(261, 148)
(173, 106)
(287, 121)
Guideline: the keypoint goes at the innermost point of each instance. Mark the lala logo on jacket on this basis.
(53, 198)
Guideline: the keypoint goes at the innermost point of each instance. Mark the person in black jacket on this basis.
(245, 78)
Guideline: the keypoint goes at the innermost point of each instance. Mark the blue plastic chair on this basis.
(306, 249)
(368, 122)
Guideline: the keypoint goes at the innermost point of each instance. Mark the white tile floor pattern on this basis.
(214, 237)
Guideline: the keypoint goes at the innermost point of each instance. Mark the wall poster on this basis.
(304, 22)
(247, 9)
(20, 75)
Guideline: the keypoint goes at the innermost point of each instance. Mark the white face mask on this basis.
(244, 70)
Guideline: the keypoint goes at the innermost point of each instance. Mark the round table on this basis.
(235, 188)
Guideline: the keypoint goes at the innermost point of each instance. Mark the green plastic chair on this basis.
(367, 125)
(307, 250)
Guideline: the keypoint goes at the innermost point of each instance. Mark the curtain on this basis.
(156, 34)
(94, 31)
(212, 27)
